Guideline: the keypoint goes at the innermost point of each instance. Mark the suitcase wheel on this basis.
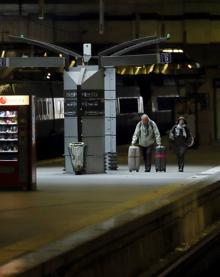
(137, 170)
(78, 172)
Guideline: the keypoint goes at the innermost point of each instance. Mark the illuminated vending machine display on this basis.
(17, 142)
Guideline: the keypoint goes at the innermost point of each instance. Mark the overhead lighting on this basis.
(123, 71)
(137, 70)
(48, 75)
(165, 66)
(189, 66)
(72, 63)
(167, 50)
(3, 54)
(151, 68)
(177, 51)
(171, 50)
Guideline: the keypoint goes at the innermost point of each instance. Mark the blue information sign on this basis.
(165, 58)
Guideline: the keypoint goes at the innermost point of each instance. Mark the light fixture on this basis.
(72, 63)
(137, 69)
(3, 54)
(171, 50)
(123, 71)
(151, 68)
(165, 66)
(48, 75)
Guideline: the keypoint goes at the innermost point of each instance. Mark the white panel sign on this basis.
(14, 100)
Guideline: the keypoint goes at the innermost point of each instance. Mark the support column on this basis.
(84, 116)
(70, 117)
(110, 118)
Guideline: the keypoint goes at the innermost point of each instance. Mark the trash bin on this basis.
(76, 151)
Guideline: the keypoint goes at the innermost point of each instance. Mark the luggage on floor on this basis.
(134, 158)
(160, 158)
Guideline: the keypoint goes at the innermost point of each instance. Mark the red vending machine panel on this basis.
(17, 143)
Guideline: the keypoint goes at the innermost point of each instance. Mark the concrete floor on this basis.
(65, 203)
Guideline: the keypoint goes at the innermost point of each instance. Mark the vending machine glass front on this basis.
(17, 142)
(8, 144)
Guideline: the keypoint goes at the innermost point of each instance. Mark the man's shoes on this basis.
(147, 170)
(180, 169)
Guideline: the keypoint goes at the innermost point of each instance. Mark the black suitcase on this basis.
(160, 158)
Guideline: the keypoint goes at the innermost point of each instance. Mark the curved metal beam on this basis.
(140, 45)
(112, 50)
(48, 46)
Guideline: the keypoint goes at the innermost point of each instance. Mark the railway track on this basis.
(200, 258)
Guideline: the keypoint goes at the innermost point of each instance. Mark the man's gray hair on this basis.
(144, 116)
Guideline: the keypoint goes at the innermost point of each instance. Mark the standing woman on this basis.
(181, 139)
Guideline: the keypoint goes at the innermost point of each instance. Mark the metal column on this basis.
(110, 118)
(85, 120)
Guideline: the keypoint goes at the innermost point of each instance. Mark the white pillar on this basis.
(110, 117)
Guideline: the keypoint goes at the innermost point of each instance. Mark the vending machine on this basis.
(17, 142)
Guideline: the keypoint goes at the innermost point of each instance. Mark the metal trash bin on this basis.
(76, 151)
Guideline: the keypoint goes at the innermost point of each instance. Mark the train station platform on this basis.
(113, 224)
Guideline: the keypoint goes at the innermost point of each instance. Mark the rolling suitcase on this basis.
(160, 158)
(134, 158)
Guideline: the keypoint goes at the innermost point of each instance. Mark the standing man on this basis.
(181, 139)
(145, 135)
